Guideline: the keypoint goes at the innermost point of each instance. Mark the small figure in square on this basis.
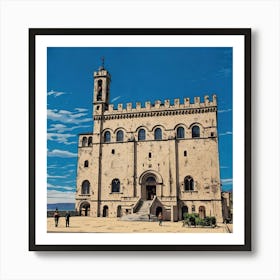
(160, 219)
(56, 217)
(67, 218)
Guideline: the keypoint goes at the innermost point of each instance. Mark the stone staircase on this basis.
(142, 213)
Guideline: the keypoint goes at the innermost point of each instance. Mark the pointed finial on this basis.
(102, 65)
(103, 59)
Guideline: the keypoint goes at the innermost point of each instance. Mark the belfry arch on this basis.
(151, 183)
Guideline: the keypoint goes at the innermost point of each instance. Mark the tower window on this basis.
(142, 135)
(116, 185)
(185, 153)
(113, 151)
(85, 187)
(188, 182)
(120, 136)
(180, 132)
(86, 163)
(107, 137)
(150, 155)
(99, 90)
(84, 142)
(158, 134)
(90, 141)
(195, 131)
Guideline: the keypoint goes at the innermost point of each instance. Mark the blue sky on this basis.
(138, 75)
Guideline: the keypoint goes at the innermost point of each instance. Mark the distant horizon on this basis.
(138, 75)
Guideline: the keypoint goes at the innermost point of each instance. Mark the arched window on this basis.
(99, 90)
(158, 134)
(84, 142)
(195, 131)
(116, 185)
(120, 136)
(107, 137)
(142, 135)
(180, 132)
(105, 211)
(85, 187)
(86, 163)
(188, 182)
(90, 141)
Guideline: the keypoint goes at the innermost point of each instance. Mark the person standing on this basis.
(67, 218)
(56, 217)
(160, 219)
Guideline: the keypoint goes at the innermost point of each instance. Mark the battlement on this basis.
(166, 105)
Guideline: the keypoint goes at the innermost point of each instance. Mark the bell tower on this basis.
(101, 89)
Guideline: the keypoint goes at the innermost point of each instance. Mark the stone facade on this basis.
(163, 153)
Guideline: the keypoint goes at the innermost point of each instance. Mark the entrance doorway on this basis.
(84, 209)
(105, 211)
(150, 184)
(158, 210)
(201, 212)
(151, 192)
(184, 210)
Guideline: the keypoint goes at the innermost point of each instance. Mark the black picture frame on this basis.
(246, 33)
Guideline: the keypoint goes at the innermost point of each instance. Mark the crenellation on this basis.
(128, 107)
(138, 105)
(158, 105)
(120, 107)
(148, 105)
(176, 103)
(186, 102)
(111, 107)
(167, 103)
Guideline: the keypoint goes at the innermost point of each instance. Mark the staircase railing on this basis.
(137, 205)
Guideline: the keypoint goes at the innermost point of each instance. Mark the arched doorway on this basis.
(84, 208)
(201, 211)
(184, 210)
(119, 211)
(150, 188)
(105, 211)
(158, 210)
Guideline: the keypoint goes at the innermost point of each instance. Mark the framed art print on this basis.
(140, 139)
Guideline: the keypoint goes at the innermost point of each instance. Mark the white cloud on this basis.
(81, 110)
(64, 116)
(56, 176)
(224, 111)
(116, 98)
(225, 133)
(60, 197)
(56, 93)
(60, 128)
(227, 181)
(62, 188)
(224, 167)
(60, 137)
(61, 153)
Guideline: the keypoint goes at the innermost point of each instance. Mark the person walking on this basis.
(160, 219)
(67, 218)
(56, 217)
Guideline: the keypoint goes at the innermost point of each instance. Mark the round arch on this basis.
(150, 173)
(84, 208)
